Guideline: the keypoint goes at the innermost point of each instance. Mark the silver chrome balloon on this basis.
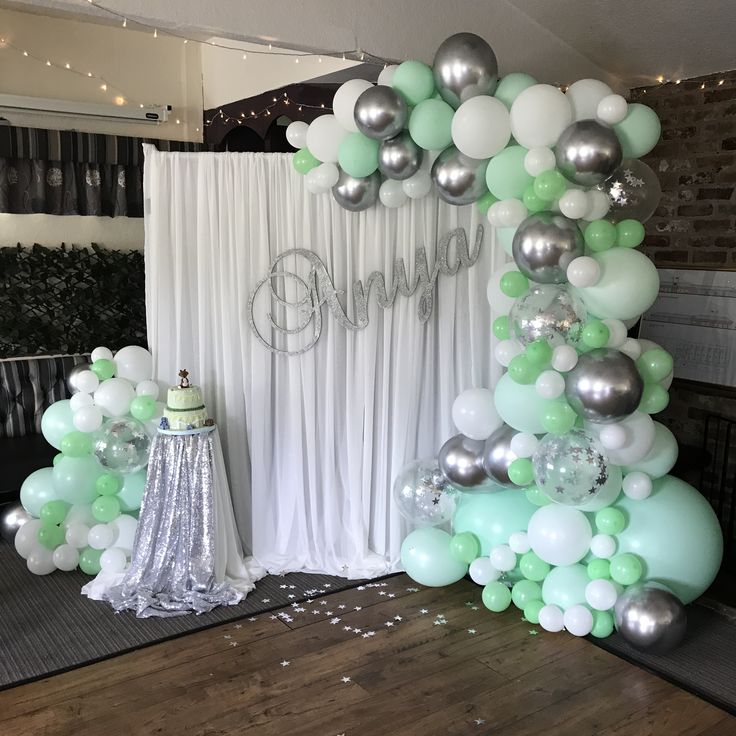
(464, 67)
(547, 312)
(380, 112)
(497, 455)
(399, 157)
(12, 518)
(458, 178)
(543, 246)
(461, 460)
(588, 152)
(604, 386)
(356, 193)
(650, 618)
(73, 374)
(634, 191)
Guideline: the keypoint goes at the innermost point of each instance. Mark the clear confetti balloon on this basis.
(571, 468)
(122, 445)
(423, 495)
(634, 191)
(547, 312)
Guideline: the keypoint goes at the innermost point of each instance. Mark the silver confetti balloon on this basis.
(604, 386)
(458, 179)
(497, 455)
(634, 191)
(422, 494)
(380, 112)
(356, 193)
(399, 157)
(588, 152)
(464, 67)
(543, 246)
(122, 445)
(547, 312)
(12, 518)
(650, 618)
(461, 460)
(73, 374)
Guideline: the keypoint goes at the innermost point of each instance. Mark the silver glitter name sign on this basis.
(307, 294)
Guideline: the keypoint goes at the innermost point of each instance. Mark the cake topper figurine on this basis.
(184, 383)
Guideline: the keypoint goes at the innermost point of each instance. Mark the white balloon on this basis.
(506, 350)
(296, 134)
(585, 95)
(324, 137)
(507, 213)
(583, 271)
(87, 419)
(500, 303)
(601, 594)
(77, 535)
(101, 353)
(481, 127)
(113, 397)
(482, 572)
(313, 184)
(559, 535)
(125, 527)
(574, 203)
(564, 358)
(474, 413)
(612, 109)
(26, 538)
(503, 558)
(80, 400)
(387, 74)
(603, 546)
(326, 175)
(101, 536)
(539, 159)
(617, 332)
(578, 620)
(147, 388)
(637, 485)
(87, 382)
(113, 560)
(392, 194)
(640, 433)
(40, 561)
(551, 618)
(134, 363)
(631, 347)
(598, 205)
(524, 444)
(66, 557)
(612, 437)
(417, 185)
(343, 103)
(519, 542)
(550, 384)
(79, 513)
(539, 115)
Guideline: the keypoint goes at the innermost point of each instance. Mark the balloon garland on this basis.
(557, 490)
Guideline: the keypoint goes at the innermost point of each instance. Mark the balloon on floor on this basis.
(558, 488)
(82, 512)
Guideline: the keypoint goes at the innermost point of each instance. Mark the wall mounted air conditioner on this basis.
(10, 104)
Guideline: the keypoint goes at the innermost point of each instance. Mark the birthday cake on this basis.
(185, 409)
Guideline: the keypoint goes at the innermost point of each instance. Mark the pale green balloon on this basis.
(565, 586)
(676, 534)
(627, 287)
(430, 124)
(75, 479)
(37, 489)
(506, 176)
(131, 494)
(56, 422)
(512, 85)
(425, 555)
(358, 155)
(414, 80)
(493, 517)
(519, 405)
(661, 458)
(505, 238)
(639, 131)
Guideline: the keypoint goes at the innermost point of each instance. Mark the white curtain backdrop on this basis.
(312, 441)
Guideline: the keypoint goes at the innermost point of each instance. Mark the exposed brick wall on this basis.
(695, 161)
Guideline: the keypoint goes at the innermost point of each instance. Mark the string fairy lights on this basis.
(283, 98)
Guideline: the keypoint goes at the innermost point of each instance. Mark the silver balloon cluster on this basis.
(399, 157)
(498, 455)
(588, 152)
(650, 618)
(458, 179)
(423, 495)
(356, 193)
(381, 112)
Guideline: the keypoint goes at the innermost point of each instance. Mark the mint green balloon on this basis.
(106, 508)
(531, 611)
(50, 536)
(56, 423)
(524, 592)
(89, 560)
(465, 547)
(76, 444)
(103, 368)
(430, 124)
(414, 80)
(565, 586)
(303, 161)
(37, 490)
(520, 406)
(54, 512)
(496, 596)
(661, 458)
(358, 155)
(484, 203)
(505, 236)
(602, 624)
(74, 479)
(512, 85)
(639, 131)
(131, 494)
(425, 555)
(537, 497)
(492, 517)
(143, 408)
(676, 535)
(506, 176)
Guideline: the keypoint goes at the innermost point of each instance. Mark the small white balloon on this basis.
(564, 358)
(612, 109)
(637, 485)
(87, 419)
(296, 133)
(66, 557)
(574, 203)
(551, 618)
(503, 558)
(387, 74)
(640, 433)
(500, 303)
(312, 184)
(343, 103)
(508, 213)
(585, 95)
(79, 513)
(538, 160)
(481, 127)
(147, 388)
(482, 572)
(87, 382)
(506, 350)
(598, 205)
(113, 560)
(631, 347)
(125, 527)
(603, 546)
(474, 413)
(418, 185)
(612, 437)
(113, 397)
(578, 620)
(326, 175)
(550, 384)
(524, 444)
(77, 535)
(539, 115)
(583, 271)
(617, 332)
(519, 543)
(26, 538)
(40, 561)
(101, 353)
(324, 137)
(101, 536)
(601, 594)
(392, 194)
(80, 400)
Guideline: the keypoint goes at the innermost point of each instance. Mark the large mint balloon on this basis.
(37, 489)
(506, 176)
(639, 131)
(676, 535)
(75, 479)
(131, 494)
(56, 422)
(520, 406)
(493, 517)
(565, 586)
(425, 555)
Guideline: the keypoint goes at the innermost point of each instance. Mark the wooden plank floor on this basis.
(386, 658)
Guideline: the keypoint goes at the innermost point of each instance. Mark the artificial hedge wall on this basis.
(70, 299)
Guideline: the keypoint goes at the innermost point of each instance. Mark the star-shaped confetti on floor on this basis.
(265, 600)
(412, 590)
(358, 608)
(392, 595)
(381, 592)
(471, 631)
(398, 618)
(285, 663)
(233, 643)
(227, 636)
(479, 721)
(341, 606)
(252, 618)
(533, 632)
(360, 587)
(422, 611)
(389, 623)
(238, 626)
(346, 679)
(357, 631)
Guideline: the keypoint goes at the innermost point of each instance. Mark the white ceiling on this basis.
(626, 42)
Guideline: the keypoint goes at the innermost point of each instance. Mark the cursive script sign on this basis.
(298, 300)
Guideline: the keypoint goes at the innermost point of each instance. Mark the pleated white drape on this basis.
(312, 441)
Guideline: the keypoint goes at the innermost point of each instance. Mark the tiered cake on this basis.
(185, 409)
